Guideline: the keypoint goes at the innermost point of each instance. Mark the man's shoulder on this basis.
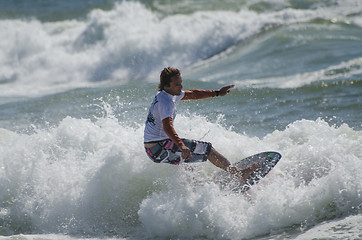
(163, 97)
(161, 100)
(167, 98)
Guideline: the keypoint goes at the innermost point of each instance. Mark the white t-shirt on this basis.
(163, 106)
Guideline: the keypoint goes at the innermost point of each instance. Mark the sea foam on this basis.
(87, 177)
(314, 181)
(128, 42)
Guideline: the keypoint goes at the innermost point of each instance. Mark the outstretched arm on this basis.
(200, 94)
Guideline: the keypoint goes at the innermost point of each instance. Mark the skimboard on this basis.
(266, 160)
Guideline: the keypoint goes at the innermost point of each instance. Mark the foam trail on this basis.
(336, 230)
(346, 70)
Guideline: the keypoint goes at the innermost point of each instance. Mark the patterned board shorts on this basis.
(167, 152)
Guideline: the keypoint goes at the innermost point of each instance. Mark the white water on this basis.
(317, 178)
(84, 177)
(108, 47)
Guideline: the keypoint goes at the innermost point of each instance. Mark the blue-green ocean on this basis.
(77, 79)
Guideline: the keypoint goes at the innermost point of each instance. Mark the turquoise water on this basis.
(76, 81)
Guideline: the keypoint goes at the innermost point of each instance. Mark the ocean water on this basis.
(77, 79)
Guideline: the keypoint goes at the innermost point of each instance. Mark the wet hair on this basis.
(166, 75)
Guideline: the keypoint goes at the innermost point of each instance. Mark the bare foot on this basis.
(243, 174)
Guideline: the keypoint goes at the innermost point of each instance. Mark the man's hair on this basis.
(166, 75)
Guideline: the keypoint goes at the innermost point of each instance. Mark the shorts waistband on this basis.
(156, 141)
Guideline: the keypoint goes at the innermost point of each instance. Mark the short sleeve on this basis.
(179, 97)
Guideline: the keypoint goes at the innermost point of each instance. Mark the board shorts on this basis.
(167, 152)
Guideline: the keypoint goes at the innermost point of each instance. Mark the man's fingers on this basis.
(186, 153)
(225, 90)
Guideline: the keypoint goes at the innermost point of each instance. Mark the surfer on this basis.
(162, 143)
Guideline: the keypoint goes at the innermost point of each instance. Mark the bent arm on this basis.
(171, 133)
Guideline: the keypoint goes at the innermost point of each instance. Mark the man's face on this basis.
(175, 86)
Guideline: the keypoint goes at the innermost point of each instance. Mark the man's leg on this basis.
(220, 161)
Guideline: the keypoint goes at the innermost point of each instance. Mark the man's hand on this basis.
(225, 90)
(185, 152)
